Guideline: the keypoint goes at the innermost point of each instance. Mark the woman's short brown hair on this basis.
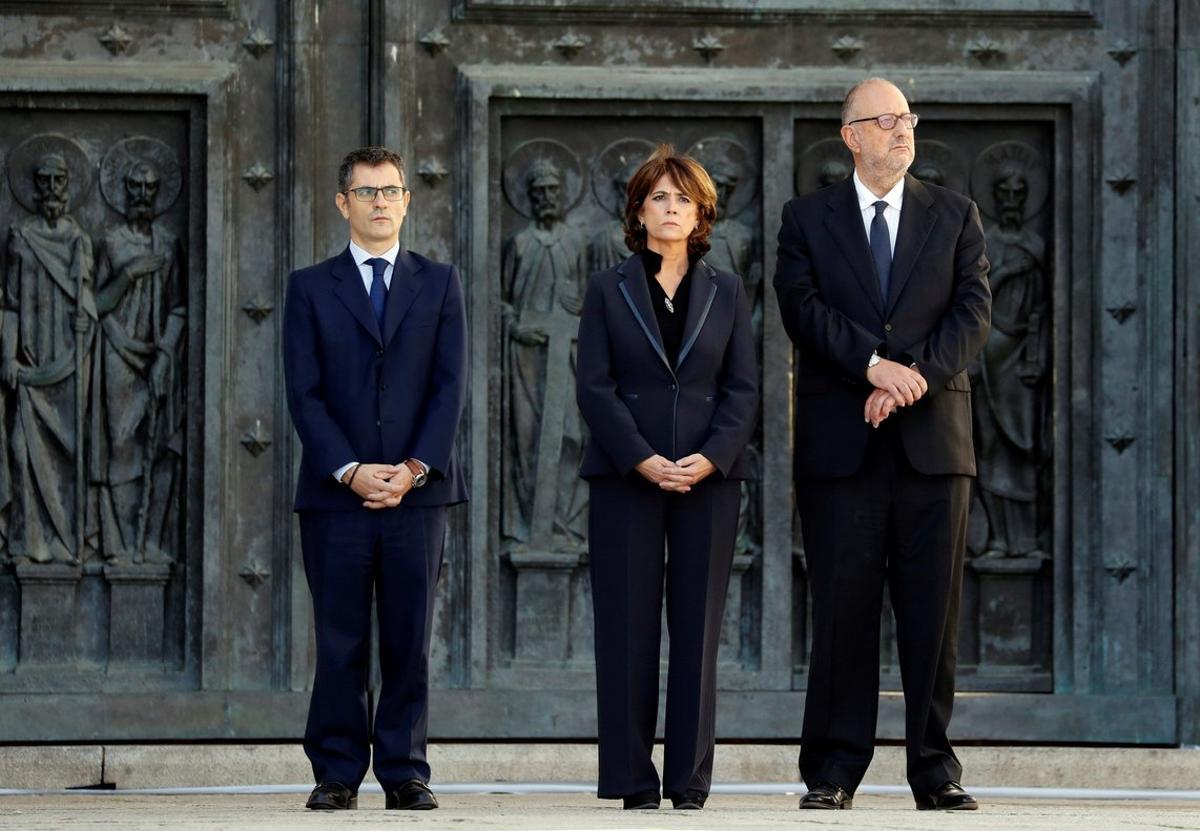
(690, 177)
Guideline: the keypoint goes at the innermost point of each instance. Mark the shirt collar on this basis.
(361, 255)
(866, 199)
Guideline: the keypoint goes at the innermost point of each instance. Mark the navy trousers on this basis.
(886, 523)
(349, 556)
(631, 525)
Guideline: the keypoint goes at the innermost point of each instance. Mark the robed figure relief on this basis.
(48, 330)
(1010, 184)
(733, 249)
(542, 273)
(612, 169)
(139, 374)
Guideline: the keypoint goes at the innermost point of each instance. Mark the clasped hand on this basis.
(676, 476)
(896, 386)
(380, 486)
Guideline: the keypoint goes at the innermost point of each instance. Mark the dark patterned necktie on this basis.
(379, 288)
(881, 249)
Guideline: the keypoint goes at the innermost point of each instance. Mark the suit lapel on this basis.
(403, 291)
(845, 224)
(700, 300)
(917, 218)
(349, 289)
(637, 297)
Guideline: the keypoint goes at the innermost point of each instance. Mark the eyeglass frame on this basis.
(900, 118)
(402, 188)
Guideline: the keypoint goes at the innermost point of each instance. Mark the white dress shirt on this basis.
(891, 214)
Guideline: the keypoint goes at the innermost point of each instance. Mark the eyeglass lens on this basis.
(391, 193)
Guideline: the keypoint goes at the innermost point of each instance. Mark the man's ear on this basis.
(850, 138)
(342, 206)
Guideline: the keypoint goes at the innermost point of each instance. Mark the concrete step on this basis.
(170, 766)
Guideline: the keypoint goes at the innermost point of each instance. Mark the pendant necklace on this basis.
(670, 306)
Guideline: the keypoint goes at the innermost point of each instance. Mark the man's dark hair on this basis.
(371, 157)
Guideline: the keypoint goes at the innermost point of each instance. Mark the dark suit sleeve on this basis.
(322, 438)
(446, 394)
(812, 325)
(733, 422)
(964, 326)
(611, 424)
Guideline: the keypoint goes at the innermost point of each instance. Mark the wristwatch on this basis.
(419, 474)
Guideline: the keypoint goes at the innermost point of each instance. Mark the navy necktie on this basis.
(379, 288)
(881, 249)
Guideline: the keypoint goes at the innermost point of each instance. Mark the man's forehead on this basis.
(878, 97)
(379, 174)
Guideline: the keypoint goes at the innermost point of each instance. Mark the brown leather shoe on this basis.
(331, 796)
(413, 795)
(949, 796)
(828, 796)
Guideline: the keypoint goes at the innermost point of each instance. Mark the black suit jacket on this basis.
(358, 394)
(636, 404)
(937, 315)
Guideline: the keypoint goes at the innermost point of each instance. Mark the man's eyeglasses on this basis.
(888, 121)
(392, 193)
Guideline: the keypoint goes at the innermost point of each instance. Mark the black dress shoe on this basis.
(949, 796)
(413, 795)
(331, 796)
(691, 800)
(827, 795)
(640, 801)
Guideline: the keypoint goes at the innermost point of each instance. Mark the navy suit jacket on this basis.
(636, 404)
(358, 394)
(937, 314)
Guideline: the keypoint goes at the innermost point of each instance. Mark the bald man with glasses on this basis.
(882, 285)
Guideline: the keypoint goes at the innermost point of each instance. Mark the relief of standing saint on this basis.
(49, 323)
(1011, 434)
(611, 171)
(140, 298)
(543, 264)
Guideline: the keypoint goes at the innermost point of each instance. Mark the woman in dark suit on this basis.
(668, 386)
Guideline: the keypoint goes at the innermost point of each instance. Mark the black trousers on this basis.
(395, 554)
(629, 521)
(889, 523)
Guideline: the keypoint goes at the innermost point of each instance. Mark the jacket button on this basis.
(378, 423)
(383, 387)
(887, 327)
(672, 386)
(379, 353)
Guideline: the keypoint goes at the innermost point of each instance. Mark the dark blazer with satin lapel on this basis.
(636, 404)
(358, 394)
(938, 315)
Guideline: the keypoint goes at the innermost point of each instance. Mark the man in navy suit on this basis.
(882, 286)
(375, 360)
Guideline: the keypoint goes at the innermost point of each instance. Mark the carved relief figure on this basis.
(140, 298)
(1011, 431)
(45, 350)
(823, 163)
(542, 272)
(614, 167)
(940, 164)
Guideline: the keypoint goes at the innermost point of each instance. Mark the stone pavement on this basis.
(547, 812)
